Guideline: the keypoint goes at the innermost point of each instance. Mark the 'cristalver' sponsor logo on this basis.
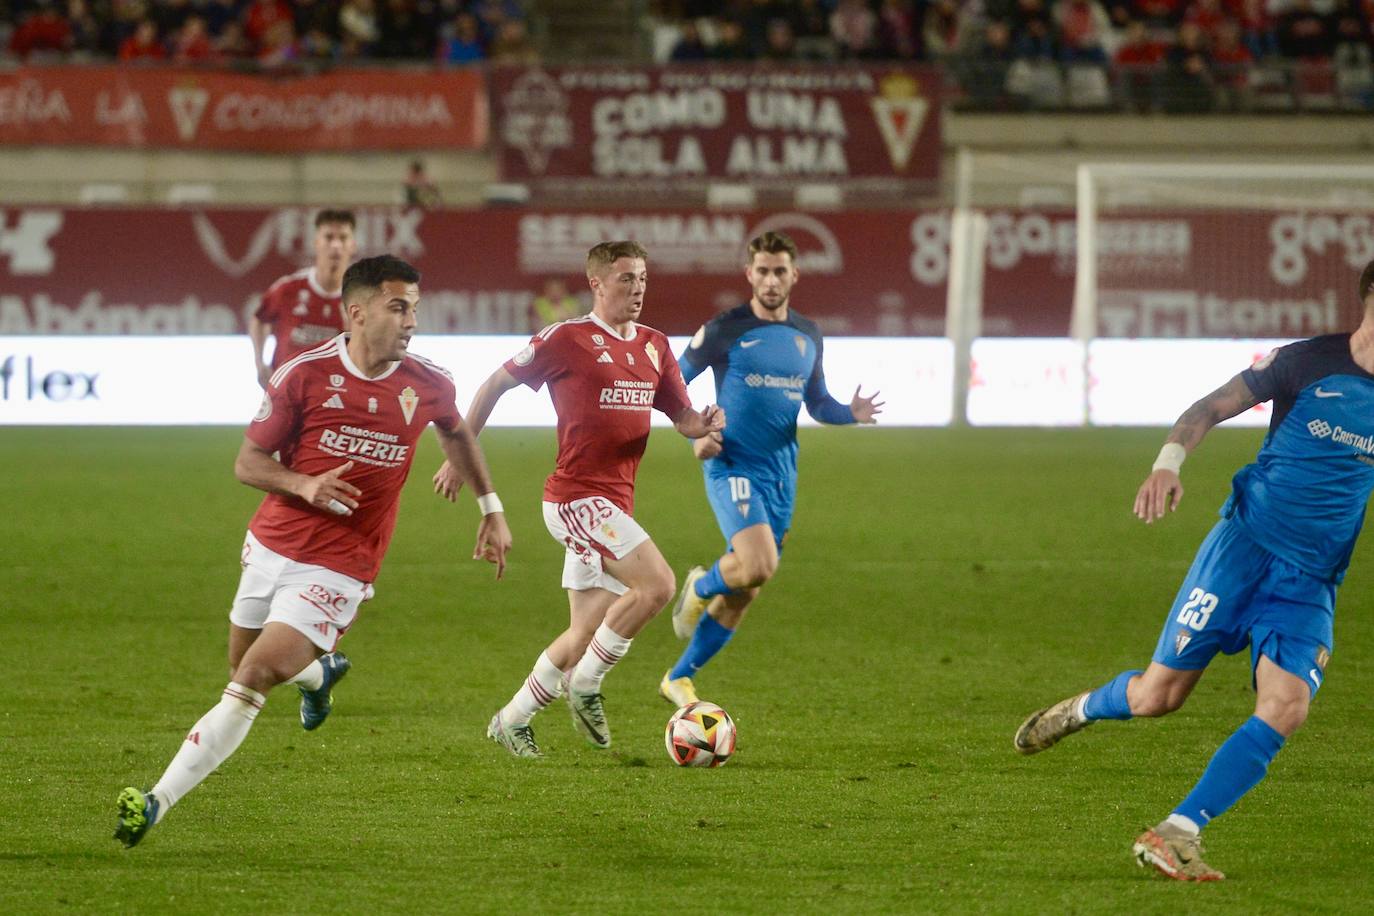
(792, 382)
(1341, 436)
(365, 445)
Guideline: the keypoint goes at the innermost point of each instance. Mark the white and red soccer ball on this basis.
(700, 734)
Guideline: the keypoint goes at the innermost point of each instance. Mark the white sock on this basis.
(311, 677)
(542, 687)
(1184, 823)
(607, 647)
(1080, 708)
(209, 743)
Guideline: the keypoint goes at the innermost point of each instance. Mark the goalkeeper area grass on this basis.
(937, 587)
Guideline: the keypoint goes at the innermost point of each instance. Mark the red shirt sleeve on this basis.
(270, 306)
(537, 363)
(278, 419)
(671, 396)
(446, 415)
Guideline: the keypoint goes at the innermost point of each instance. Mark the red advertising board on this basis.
(154, 271)
(676, 125)
(208, 109)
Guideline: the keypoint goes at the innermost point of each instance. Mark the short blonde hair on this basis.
(607, 253)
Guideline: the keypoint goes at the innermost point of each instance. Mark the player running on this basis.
(1266, 576)
(767, 362)
(605, 372)
(302, 309)
(345, 417)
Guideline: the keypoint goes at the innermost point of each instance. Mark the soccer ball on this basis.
(700, 735)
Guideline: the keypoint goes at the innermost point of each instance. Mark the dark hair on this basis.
(336, 216)
(773, 243)
(1366, 281)
(371, 273)
(607, 253)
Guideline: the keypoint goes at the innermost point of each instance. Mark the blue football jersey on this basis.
(1304, 496)
(765, 371)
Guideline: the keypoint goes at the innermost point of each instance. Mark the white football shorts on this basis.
(590, 529)
(316, 601)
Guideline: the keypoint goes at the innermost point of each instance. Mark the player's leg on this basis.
(510, 727)
(275, 656)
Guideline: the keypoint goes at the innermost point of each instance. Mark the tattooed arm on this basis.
(1162, 489)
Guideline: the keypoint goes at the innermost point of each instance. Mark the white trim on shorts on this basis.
(590, 529)
(318, 602)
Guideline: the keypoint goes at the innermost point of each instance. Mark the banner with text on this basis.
(169, 271)
(208, 109)
(608, 125)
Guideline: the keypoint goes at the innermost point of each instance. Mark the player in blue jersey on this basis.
(767, 363)
(1265, 577)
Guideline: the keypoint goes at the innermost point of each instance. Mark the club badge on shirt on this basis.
(409, 401)
(652, 352)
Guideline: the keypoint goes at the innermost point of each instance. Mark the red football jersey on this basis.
(320, 411)
(603, 387)
(300, 313)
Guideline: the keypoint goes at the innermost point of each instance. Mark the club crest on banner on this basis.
(188, 107)
(536, 119)
(900, 112)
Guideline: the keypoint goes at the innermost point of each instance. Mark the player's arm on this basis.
(1163, 490)
(694, 424)
(464, 458)
(258, 332)
(825, 409)
(447, 480)
(256, 467)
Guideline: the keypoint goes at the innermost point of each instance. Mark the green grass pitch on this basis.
(938, 586)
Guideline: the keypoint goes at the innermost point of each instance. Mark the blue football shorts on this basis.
(740, 501)
(1238, 594)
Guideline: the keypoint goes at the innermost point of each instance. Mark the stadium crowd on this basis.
(1181, 54)
(266, 33)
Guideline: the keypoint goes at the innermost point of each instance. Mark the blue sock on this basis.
(710, 637)
(1237, 766)
(1109, 700)
(711, 584)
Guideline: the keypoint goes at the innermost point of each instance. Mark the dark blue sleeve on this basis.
(822, 407)
(1277, 374)
(708, 346)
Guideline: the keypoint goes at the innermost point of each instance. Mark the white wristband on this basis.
(1170, 458)
(489, 503)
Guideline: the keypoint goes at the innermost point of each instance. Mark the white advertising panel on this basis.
(1151, 382)
(90, 380)
(1026, 382)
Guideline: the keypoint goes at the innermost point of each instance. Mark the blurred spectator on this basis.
(554, 304)
(192, 43)
(986, 65)
(85, 28)
(1208, 16)
(261, 16)
(465, 45)
(317, 47)
(231, 44)
(897, 29)
(143, 45)
(940, 29)
(1025, 12)
(689, 45)
(357, 26)
(1305, 34)
(1138, 58)
(43, 31)
(730, 44)
(779, 43)
(403, 32)
(1188, 79)
(1159, 15)
(278, 45)
(1083, 26)
(1352, 59)
(1231, 63)
(419, 191)
(854, 28)
(1256, 27)
(218, 14)
(512, 44)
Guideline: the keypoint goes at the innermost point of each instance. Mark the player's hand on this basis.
(264, 375)
(1161, 491)
(866, 409)
(330, 492)
(493, 541)
(447, 483)
(708, 446)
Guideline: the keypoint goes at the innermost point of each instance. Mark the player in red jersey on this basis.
(345, 417)
(302, 310)
(605, 373)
